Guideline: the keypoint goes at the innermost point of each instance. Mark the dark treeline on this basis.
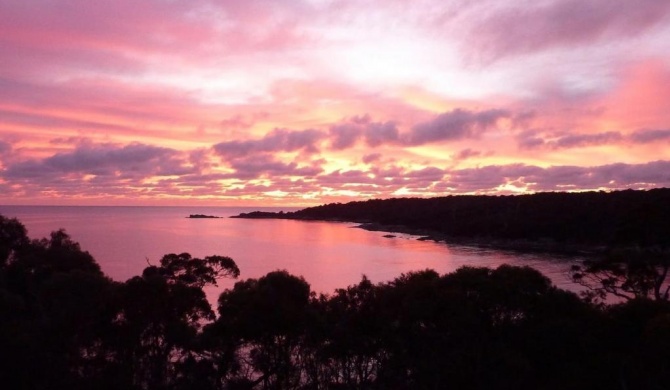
(620, 218)
(64, 324)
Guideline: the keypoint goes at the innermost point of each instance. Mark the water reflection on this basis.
(328, 255)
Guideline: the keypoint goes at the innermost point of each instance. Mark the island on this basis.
(200, 216)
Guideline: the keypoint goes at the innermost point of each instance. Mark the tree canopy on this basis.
(64, 324)
(551, 220)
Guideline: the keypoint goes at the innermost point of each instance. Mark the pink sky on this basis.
(299, 102)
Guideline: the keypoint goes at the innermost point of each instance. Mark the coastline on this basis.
(513, 245)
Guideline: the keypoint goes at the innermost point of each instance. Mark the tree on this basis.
(161, 314)
(626, 274)
(13, 236)
(353, 349)
(54, 308)
(265, 319)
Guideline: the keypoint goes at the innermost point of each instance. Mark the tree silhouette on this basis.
(13, 236)
(626, 274)
(267, 317)
(64, 324)
(158, 331)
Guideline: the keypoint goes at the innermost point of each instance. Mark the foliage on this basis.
(626, 274)
(64, 324)
(13, 236)
(619, 218)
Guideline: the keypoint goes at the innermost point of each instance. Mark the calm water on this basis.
(329, 255)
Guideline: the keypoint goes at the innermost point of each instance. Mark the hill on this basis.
(619, 218)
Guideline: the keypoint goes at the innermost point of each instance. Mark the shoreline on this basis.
(513, 245)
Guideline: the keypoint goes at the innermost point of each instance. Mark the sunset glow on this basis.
(304, 102)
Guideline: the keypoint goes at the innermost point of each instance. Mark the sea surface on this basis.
(329, 255)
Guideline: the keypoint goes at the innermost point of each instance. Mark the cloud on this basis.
(278, 140)
(581, 140)
(371, 158)
(134, 160)
(535, 26)
(648, 136)
(377, 134)
(381, 181)
(454, 125)
(430, 174)
(256, 166)
(236, 122)
(347, 133)
(344, 135)
(529, 139)
(466, 154)
(532, 139)
(5, 147)
(560, 178)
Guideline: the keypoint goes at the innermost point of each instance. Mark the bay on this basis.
(329, 255)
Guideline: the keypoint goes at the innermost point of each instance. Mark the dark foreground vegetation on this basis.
(587, 219)
(65, 325)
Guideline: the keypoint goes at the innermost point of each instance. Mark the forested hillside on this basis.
(620, 218)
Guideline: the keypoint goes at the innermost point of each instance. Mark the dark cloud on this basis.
(580, 140)
(532, 139)
(339, 177)
(102, 160)
(467, 153)
(529, 140)
(253, 167)
(278, 140)
(346, 133)
(535, 26)
(344, 136)
(71, 141)
(381, 133)
(371, 158)
(647, 136)
(454, 125)
(426, 174)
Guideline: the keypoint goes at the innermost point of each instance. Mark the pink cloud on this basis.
(466, 154)
(529, 140)
(177, 98)
(535, 26)
(454, 125)
(278, 140)
(649, 135)
(371, 158)
(254, 166)
(561, 178)
(134, 160)
(347, 133)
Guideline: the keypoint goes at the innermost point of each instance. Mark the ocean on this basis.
(329, 255)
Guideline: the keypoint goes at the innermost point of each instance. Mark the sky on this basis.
(303, 102)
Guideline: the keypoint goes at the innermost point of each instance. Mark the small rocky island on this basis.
(264, 215)
(196, 216)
